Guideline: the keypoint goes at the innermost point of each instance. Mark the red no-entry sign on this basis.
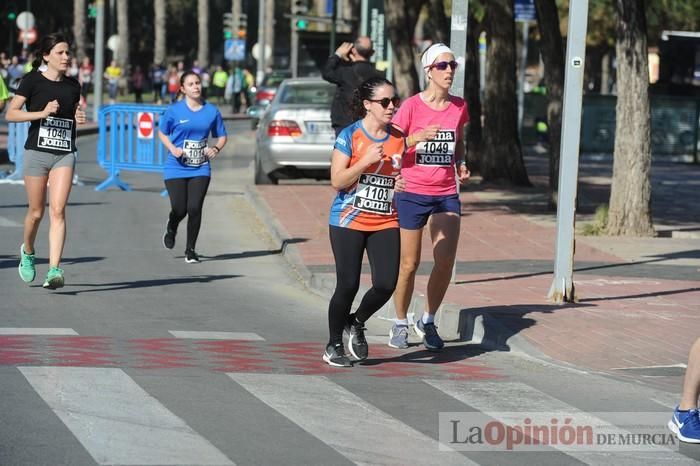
(145, 125)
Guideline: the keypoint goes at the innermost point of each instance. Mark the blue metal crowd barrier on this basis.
(16, 137)
(128, 140)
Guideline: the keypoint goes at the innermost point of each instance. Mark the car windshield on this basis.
(320, 93)
(274, 80)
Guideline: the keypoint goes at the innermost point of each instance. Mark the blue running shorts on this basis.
(415, 209)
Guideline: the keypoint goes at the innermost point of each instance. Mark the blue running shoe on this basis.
(678, 418)
(689, 427)
(431, 339)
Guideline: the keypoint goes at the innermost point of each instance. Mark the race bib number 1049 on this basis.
(438, 151)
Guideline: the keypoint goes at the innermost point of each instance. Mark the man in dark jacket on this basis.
(347, 68)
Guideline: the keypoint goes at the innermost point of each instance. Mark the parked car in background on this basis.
(268, 88)
(295, 138)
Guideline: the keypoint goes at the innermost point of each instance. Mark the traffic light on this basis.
(300, 8)
(242, 26)
(11, 15)
(228, 25)
(92, 10)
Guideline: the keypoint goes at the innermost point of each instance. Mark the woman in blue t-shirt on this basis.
(184, 129)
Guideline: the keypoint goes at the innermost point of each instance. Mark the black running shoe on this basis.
(357, 343)
(335, 356)
(168, 238)
(191, 257)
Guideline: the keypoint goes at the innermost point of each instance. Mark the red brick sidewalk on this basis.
(619, 321)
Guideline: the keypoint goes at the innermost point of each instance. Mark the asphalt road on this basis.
(144, 359)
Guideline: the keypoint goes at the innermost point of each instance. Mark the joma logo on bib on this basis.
(56, 134)
(193, 152)
(438, 151)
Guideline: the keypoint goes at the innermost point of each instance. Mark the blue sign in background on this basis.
(234, 49)
(525, 10)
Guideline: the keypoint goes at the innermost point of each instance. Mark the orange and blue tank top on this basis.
(368, 204)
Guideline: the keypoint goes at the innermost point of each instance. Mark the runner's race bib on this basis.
(374, 194)
(437, 152)
(55, 134)
(193, 153)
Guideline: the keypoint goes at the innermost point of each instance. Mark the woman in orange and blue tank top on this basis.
(365, 170)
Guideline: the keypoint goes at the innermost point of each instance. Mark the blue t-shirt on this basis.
(190, 130)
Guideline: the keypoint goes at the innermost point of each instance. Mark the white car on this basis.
(294, 138)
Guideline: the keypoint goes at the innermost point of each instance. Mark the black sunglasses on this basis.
(442, 65)
(386, 100)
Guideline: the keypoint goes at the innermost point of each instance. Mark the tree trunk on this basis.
(503, 159)
(471, 94)
(401, 19)
(79, 35)
(159, 26)
(437, 22)
(203, 32)
(553, 57)
(123, 31)
(630, 194)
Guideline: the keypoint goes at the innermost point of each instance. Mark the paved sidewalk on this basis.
(638, 299)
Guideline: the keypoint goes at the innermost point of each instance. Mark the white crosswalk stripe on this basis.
(37, 331)
(497, 399)
(354, 428)
(117, 421)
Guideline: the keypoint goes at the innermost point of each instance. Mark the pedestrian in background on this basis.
(218, 83)
(365, 163)
(112, 74)
(434, 121)
(138, 80)
(347, 68)
(685, 422)
(52, 106)
(184, 129)
(4, 94)
(85, 77)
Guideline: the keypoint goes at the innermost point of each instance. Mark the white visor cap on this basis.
(431, 54)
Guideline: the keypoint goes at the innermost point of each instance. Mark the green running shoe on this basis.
(54, 279)
(27, 271)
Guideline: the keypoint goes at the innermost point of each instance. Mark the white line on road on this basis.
(117, 421)
(36, 331)
(6, 222)
(354, 428)
(216, 335)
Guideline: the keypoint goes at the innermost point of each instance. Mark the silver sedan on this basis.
(295, 138)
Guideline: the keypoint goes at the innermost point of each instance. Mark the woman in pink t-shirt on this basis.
(434, 122)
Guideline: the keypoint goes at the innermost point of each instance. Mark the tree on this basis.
(437, 22)
(401, 18)
(159, 47)
(79, 35)
(123, 32)
(552, 51)
(203, 32)
(630, 193)
(472, 90)
(502, 158)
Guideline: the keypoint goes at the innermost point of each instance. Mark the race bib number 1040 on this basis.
(55, 134)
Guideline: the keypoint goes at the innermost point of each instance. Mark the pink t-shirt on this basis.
(429, 167)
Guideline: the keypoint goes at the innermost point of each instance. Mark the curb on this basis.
(456, 323)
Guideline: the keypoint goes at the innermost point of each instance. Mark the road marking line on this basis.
(360, 431)
(6, 222)
(36, 331)
(216, 335)
(117, 421)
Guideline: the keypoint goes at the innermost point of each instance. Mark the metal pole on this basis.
(562, 289)
(364, 19)
(25, 44)
(294, 47)
(521, 77)
(334, 16)
(99, 58)
(260, 74)
(458, 44)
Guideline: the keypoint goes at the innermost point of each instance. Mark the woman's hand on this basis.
(463, 173)
(399, 184)
(211, 152)
(51, 108)
(80, 115)
(374, 153)
(177, 152)
(427, 133)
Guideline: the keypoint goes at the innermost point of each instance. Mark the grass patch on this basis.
(598, 225)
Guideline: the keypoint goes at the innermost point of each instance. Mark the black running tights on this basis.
(348, 248)
(187, 198)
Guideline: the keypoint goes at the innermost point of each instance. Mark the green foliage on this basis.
(598, 225)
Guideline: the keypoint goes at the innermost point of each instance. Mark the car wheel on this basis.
(260, 176)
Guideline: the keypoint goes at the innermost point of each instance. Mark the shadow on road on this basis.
(98, 287)
(12, 261)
